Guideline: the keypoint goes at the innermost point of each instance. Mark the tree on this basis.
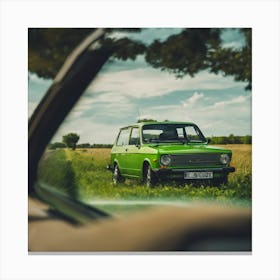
(186, 53)
(49, 47)
(146, 120)
(84, 145)
(57, 145)
(247, 139)
(196, 49)
(71, 140)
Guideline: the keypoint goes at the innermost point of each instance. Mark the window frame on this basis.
(118, 138)
(139, 137)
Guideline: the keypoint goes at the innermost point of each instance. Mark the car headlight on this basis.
(224, 158)
(165, 160)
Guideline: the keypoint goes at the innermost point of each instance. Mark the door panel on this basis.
(121, 150)
(133, 153)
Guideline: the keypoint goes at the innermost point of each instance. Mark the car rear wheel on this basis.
(117, 177)
(149, 177)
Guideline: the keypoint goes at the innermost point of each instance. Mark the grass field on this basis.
(82, 174)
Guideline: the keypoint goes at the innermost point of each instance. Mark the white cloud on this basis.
(110, 103)
(193, 99)
(148, 82)
(31, 107)
(110, 99)
(237, 100)
(229, 116)
(34, 78)
(216, 118)
(80, 108)
(89, 131)
(234, 45)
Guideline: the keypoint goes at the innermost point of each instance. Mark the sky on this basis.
(126, 90)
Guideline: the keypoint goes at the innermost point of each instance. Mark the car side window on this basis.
(192, 134)
(135, 136)
(180, 132)
(123, 137)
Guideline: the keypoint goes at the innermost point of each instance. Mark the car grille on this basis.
(195, 160)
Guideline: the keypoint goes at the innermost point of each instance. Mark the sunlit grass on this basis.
(87, 170)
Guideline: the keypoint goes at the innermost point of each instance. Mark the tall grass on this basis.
(56, 171)
(240, 182)
(85, 170)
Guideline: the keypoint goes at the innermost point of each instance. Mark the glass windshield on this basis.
(130, 144)
(127, 92)
(164, 133)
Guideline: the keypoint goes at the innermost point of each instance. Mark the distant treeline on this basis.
(231, 139)
(58, 145)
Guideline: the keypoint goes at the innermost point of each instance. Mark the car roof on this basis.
(140, 124)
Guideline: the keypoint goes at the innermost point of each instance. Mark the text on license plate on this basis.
(198, 175)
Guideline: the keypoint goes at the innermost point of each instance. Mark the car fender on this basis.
(151, 163)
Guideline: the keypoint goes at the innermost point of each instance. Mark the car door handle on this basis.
(126, 149)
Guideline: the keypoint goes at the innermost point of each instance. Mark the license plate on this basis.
(198, 175)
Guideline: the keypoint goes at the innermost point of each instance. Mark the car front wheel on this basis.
(117, 177)
(149, 177)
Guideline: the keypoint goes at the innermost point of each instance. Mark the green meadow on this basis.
(82, 175)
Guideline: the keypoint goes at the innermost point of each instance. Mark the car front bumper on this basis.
(178, 173)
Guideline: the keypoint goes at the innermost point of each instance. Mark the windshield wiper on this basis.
(157, 141)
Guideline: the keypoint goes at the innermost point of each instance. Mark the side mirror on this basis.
(208, 140)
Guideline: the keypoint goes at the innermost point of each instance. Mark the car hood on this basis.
(187, 148)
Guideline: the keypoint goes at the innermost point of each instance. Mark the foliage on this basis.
(146, 120)
(71, 140)
(235, 62)
(196, 49)
(84, 145)
(101, 146)
(56, 145)
(87, 170)
(49, 47)
(57, 171)
(186, 53)
(231, 139)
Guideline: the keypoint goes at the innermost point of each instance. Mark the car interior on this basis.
(57, 223)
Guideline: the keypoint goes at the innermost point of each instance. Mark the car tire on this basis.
(149, 176)
(117, 177)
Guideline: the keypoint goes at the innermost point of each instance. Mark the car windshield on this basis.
(128, 92)
(168, 133)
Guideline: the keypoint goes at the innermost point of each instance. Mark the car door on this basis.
(133, 153)
(121, 149)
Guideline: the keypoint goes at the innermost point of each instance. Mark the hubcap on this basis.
(115, 175)
(148, 177)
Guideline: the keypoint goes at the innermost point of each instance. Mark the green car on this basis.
(163, 151)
